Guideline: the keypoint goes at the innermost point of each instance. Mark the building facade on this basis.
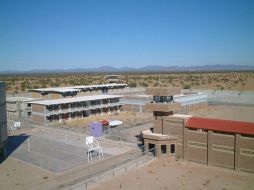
(19, 107)
(76, 91)
(167, 100)
(223, 143)
(49, 111)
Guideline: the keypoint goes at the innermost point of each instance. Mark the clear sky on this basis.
(63, 34)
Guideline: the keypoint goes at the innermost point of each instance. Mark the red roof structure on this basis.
(221, 125)
(104, 122)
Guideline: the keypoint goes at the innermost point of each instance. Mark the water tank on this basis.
(3, 118)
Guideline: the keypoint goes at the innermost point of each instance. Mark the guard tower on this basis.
(93, 147)
(162, 105)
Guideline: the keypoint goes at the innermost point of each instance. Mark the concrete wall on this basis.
(163, 91)
(220, 149)
(158, 124)
(196, 146)
(37, 108)
(17, 109)
(223, 148)
(54, 95)
(161, 107)
(38, 118)
(35, 95)
(3, 118)
(174, 126)
(45, 96)
(246, 154)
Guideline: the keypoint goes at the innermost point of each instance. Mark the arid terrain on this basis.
(200, 80)
(167, 174)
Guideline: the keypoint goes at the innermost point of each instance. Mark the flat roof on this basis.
(98, 86)
(21, 99)
(55, 89)
(221, 125)
(74, 88)
(75, 99)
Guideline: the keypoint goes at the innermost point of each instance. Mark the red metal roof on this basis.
(221, 125)
(104, 122)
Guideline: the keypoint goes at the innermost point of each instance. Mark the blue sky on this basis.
(63, 34)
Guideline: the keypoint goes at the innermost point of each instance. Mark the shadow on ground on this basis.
(13, 143)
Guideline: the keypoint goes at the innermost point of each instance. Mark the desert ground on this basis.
(19, 83)
(15, 174)
(168, 174)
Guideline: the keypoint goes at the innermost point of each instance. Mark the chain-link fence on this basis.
(96, 172)
(231, 97)
(132, 135)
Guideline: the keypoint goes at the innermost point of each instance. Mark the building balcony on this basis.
(162, 107)
(78, 109)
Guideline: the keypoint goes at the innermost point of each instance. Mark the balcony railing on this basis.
(78, 109)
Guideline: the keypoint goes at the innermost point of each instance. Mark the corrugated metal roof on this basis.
(75, 88)
(221, 125)
(75, 99)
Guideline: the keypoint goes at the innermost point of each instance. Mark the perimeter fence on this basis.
(228, 97)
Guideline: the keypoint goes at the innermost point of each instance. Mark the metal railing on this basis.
(228, 97)
(68, 110)
(96, 172)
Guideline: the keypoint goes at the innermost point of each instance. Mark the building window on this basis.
(172, 148)
(162, 99)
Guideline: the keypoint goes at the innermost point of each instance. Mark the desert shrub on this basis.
(133, 84)
(156, 84)
(144, 84)
(186, 86)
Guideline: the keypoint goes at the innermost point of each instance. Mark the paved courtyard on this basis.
(59, 151)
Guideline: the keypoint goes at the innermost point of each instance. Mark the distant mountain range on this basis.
(149, 68)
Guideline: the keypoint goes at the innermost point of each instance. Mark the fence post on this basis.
(28, 144)
(58, 182)
(65, 136)
(126, 162)
(114, 168)
(101, 169)
(74, 177)
(88, 171)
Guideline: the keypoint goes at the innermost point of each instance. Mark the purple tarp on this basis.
(96, 129)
